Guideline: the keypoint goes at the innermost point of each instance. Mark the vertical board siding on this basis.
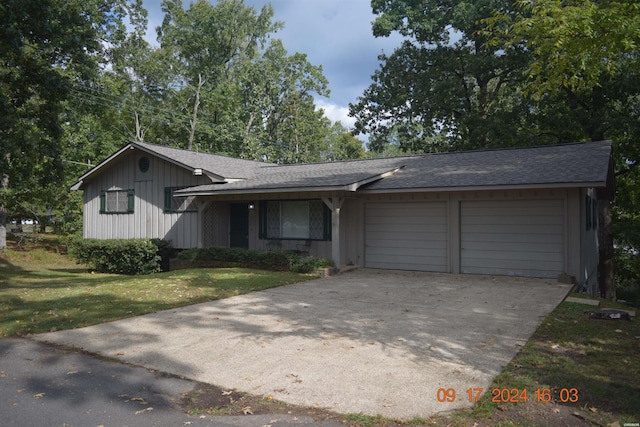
(516, 237)
(406, 236)
(148, 219)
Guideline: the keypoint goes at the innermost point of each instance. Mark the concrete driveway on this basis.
(368, 341)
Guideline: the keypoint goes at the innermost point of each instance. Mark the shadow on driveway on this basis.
(369, 341)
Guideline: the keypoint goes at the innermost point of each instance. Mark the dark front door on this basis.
(239, 225)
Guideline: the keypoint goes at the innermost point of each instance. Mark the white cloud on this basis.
(336, 113)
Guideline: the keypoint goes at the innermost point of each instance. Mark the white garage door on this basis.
(520, 238)
(406, 236)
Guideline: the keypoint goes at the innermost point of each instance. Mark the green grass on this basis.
(599, 358)
(42, 290)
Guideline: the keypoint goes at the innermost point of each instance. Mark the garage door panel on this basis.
(415, 221)
(542, 247)
(505, 256)
(391, 245)
(526, 229)
(404, 259)
(406, 236)
(512, 237)
(502, 219)
(518, 270)
(520, 207)
(408, 233)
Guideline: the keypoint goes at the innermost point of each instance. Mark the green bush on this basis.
(120, 256)
(251, 258)
(628, 274)
(309, 264)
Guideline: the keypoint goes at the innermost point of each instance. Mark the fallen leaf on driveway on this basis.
(247, 410)
(143, 411)
(72, 372)
(39, 395)
(227, 393)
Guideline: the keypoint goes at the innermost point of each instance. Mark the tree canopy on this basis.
(79, 80)
(494, 73)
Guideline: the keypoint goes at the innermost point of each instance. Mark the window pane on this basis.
(316, 219)
(295, 219)
(117, 201)
(273, 220)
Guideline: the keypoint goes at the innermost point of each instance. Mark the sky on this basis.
(335, 34)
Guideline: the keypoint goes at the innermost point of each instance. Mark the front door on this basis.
(239, 225)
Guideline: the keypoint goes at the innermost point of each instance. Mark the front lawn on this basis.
(43, 290)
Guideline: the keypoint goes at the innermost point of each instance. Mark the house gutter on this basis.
(485, 188)
(351, 188)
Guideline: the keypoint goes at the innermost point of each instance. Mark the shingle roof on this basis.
(227, 167)
(335, 175)
(580, 164)
(571, 164)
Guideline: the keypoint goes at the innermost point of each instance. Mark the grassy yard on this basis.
(43, 290)
(586, 370)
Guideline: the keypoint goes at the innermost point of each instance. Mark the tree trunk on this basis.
(194, 118)
(3, 215)
(606, 280)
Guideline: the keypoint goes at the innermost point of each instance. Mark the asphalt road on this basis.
(45, 386)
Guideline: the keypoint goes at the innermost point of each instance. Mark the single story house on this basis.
(521, 211)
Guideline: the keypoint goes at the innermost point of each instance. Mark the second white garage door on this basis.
(406, 236)
(520, 238)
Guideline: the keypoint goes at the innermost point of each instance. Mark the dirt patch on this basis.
(213, 400)
(537, 414)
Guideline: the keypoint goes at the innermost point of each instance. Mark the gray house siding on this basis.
(148, 218)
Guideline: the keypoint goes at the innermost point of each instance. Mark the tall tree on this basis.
(444, 88)
(282, 124)
(46, 47)
(207, 45)
(586, 54)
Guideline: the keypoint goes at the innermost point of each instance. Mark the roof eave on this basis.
(597, 184)
(333, 188)
(132, 145)
(194, 170)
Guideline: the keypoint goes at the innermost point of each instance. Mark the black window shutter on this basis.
(103, 201)
(130, 200)
(262, 228)
(588, 211)
(327, 222)
(168, 195)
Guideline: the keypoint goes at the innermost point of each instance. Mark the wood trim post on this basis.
(335, 205)
(202, 207)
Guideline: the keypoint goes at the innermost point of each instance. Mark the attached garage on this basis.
(519, 238)
(406, 236)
